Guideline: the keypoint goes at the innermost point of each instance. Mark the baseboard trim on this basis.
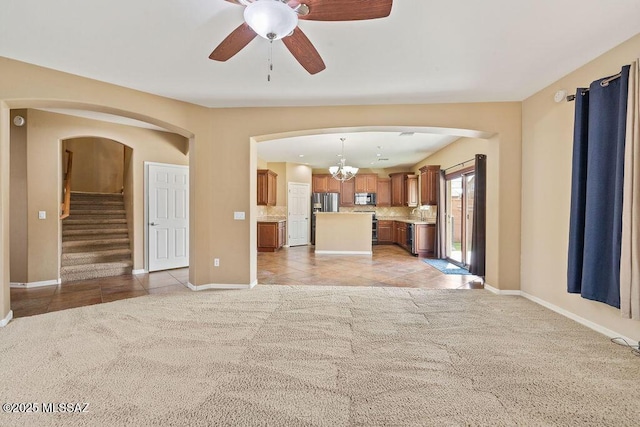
(588, 323)
(220, 286)
(141, 271)
(344, 252)
(566, 313)
(34, 284)
(4, 322)
(502, 292)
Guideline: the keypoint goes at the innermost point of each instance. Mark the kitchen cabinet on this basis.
(366, 183)
(324, 183)
(425, 240)
(411, 191)
(404, 189)
(267, 187)
(429, 180)
(384, 192)
(347, 193)
(271, 235)
(385, 232)
(400, 234)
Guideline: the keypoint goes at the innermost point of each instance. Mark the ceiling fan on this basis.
(278, 19)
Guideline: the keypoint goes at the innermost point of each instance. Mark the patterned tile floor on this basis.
(389, 266)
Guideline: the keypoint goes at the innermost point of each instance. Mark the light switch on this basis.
(42, 214)
(238, 215)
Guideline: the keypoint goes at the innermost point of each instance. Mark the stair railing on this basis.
(66, 204)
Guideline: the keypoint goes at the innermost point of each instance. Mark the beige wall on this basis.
(18, 199)
(98, 164)
(546, 190)
(46, 131)
(5, 303)
(227, 138)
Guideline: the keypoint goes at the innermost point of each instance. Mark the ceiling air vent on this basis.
(382, 160)
(407, 133)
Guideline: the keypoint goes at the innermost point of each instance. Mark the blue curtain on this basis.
(596, 195)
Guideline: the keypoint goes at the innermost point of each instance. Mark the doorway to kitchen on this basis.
(460, 186)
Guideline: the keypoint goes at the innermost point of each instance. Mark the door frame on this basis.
(146, 207)
(462, 174)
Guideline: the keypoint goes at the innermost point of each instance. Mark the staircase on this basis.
(95, 238)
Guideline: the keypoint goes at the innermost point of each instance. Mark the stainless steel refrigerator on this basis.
(322, 202)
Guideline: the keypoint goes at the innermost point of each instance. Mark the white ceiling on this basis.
(374, 149)
(426, 51)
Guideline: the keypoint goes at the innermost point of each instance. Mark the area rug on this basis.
(315, 356)
(446, 267)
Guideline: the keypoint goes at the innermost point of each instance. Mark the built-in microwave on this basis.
(365, 199)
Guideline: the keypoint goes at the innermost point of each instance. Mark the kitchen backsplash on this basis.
(429, 211)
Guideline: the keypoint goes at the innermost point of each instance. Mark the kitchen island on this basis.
(344, 233)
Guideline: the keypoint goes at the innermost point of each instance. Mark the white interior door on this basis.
(168, 216)
(299, 202)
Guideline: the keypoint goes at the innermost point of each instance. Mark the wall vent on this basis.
(407, 133)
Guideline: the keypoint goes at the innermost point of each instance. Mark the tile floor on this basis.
(389, 266)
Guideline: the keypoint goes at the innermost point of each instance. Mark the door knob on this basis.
(153, 224)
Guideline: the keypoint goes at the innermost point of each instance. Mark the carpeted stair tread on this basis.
(92, 257)
(95, 233)
(96, 266)
(94, 274)
(96, 211)
(95, 237)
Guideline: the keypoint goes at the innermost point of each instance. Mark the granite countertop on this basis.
(408, 220)
(271, 219)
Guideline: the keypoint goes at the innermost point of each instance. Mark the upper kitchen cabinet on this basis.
(429, 178)
(366, 183)
(384, 192)
(267, 187)
(347, 193)
(411, 191)
(324, 183)
(404, 189)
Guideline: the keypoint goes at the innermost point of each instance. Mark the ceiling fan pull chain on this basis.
(270, 60)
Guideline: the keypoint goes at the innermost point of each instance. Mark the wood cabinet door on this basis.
(360, 184)
(411, 191)
(347, 193)
(429, 179)
(384, 192)
(425, 235)
(333, 185)
(319, 183)
(385, 232)
(267, 236)
(272, 188)
(267, 185)
(282, 234)
(397, 189)
(371, 183)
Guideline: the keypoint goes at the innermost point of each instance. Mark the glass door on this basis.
(459, 214)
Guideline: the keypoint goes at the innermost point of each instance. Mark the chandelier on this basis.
(343, 172)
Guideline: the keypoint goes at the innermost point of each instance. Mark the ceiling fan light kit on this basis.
(271, 19)
(278, 19)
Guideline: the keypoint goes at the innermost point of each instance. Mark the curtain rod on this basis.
(460, 164)
(603, 83)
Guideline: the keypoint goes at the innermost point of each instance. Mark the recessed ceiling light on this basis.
(300, 155)
(379, 155)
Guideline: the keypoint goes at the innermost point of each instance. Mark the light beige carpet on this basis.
(317, 356)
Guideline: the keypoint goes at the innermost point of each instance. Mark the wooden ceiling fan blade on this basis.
(304, 52)
(239, 38)
(344, 10)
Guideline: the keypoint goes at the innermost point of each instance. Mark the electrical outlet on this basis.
(216, 262)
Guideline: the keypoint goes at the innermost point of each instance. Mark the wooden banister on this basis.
(66, 204)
